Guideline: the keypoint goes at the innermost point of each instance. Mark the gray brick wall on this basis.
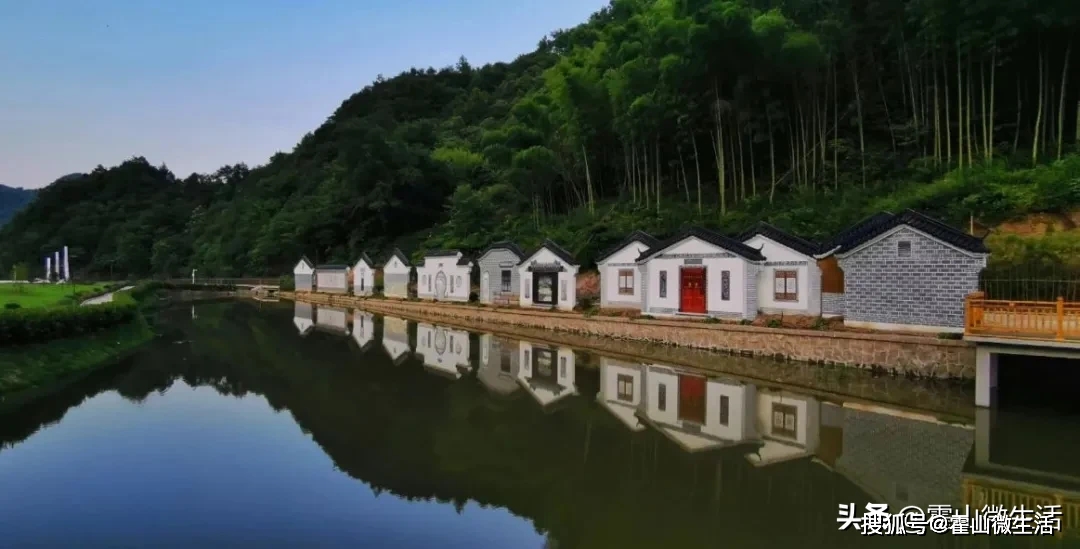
(905, 461)
(490, 264)
(927, 288)
(396, 285)
(750, 282)
(832, 304)
(814, 273)
(303, 283)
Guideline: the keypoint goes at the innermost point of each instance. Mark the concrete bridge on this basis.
(1046, 329)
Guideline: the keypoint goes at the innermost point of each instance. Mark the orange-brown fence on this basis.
(1053, 320)
(978, 492)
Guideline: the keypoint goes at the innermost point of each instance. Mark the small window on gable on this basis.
(903, 248)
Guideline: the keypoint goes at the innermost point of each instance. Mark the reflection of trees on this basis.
(578, 474)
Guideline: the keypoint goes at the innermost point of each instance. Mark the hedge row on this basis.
(23, 326)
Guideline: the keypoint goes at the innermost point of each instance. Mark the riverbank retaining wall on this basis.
(905, 354)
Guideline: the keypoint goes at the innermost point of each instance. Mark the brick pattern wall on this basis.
(906, 462)
(490, 264)
(303, 282)
(750, 294)
(926, 289)
(814, 302)
(832, 304)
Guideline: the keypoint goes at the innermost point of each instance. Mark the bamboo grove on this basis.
(729, 100)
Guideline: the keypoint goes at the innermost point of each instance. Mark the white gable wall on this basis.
(781, 258)
(457, 277)
(363, 330)
(622, 260)
(739, 304)
(396, 278)
(302, 268)
(395, 337)
(363, 278)
(567, 281)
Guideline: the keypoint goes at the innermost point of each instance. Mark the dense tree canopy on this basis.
(652, 114)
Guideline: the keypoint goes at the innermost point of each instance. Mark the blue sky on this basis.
(197, 84)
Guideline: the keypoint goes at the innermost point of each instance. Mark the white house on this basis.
(789, 425)
(335, 321)
(332, 279)
(303, 274)
(363, 329)
(396, 273)
(445, 351)
(622, 390)
(445, 276)
(499, 280)
(620, 279)
(395, 338)
(546, 373)
(701, 273)
(696, 412)
(549, 278)
(790, 280)
(303, 317)
(498, 369)
(364, 276)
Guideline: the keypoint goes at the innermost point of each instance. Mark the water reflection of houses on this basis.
(696, 412)
(303, 317)
(396, 338)
(499, 364)
(547, 372)
(895, 457)
(335, 321)
(363, 329)
(1024, 459)
(445, 351)
(789, 426)
(621, 389)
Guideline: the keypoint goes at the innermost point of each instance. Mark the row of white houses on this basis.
(546, 278)
(890, 271)
(900, 459)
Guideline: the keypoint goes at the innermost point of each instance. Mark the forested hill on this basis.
(11, 200)
(652, 114)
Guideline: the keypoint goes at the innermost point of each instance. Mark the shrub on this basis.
(22, 326)
(774, 323)
(474, 297)
(587, 302)
(287, 283)
(12, 306)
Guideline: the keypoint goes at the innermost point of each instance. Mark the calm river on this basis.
(281, 425)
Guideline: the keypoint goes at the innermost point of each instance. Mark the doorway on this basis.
(692, 399)
(545, 288)
(692, 290)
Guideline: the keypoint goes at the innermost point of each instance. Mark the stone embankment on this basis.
(916, 355)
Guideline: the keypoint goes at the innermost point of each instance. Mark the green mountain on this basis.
(12, 199)
(651, 114)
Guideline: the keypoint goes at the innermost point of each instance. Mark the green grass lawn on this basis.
(43, 295)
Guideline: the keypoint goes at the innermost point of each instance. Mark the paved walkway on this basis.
(107, 298)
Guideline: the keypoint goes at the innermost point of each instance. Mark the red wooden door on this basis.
(692, 398)
(692, 294)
